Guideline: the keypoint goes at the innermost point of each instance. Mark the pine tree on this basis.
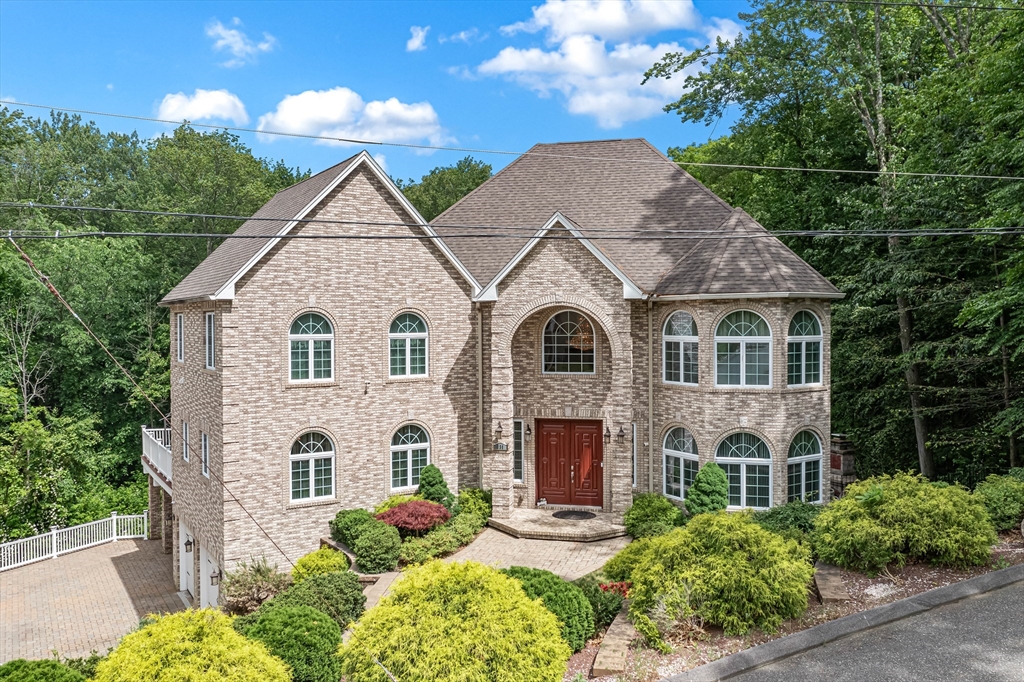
(709, 492)
(433, 487)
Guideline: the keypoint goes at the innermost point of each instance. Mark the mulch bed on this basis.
(689, 652)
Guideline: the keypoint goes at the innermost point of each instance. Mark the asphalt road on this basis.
(980, 638)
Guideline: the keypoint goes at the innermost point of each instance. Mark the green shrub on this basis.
(304, 638)
(794, 520)
(474, 501)
(190, 645)
(346, 525)
(441, 541)
(433, 488)
(1003, 497)
(899, 518)
(453, 622)
(250, 584)
(606, 604)
(650, 515)
(393, 502)
(85, 664)
(722, 569)
(1017, 473)
(339, 595)
(377, 547)
(322, 561)
(709, 492)
(620, 567)
(561, 598)
(21, 670)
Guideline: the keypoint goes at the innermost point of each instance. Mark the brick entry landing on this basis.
(570, 560)
(540, 524)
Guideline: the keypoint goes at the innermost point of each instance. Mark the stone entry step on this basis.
(540, 524)
(829, 582)
(377, 591)
(612, 656)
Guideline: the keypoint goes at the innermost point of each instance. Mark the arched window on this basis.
(568, 344)
(804, 468)
(681, 462)
(743, 350)
(312, 460)
(410, 452)
(747, 463)
(312, 340)
(804, 350)
(408, 337)
(680, 337)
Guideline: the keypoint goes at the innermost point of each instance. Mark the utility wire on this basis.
(1000, 8)
(473, 150)
(53, 290)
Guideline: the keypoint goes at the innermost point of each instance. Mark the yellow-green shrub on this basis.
(322, 561)
(723, 569)
(464, 622)
(191, 645)
(393, 502)
(889, 519)
(620, 567)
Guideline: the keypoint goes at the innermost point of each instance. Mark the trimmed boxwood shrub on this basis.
(1003, 497)
(21, 670)
(452, 622)
(898, 518)
(304, 638)
(338, 594)
(606, 603)
(346, 524)
(709, 492)
(721, 569)
(443, 540)
(433, 488)
(190, 645)
(377, 547)
(794, 520)
(251, 584)
(565, 600)
(322, 561)
(650, 515)
(415, 517)
(620, 567)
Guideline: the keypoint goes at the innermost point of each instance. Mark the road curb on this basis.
(799, 642)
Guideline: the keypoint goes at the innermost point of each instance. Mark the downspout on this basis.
(480, 385)
(650, 395)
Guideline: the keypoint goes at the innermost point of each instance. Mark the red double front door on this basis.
(569, 462)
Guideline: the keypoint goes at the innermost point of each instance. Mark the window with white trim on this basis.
(743, 350)
(568, 344)
(312, 467)
(680, 342)
(206, 455)
(184, 441)
(803, 468)
(410, 453)
(803, 352)
(517, 451)
(408, 340)
(211, 354)
(311, 341)
(179, 343)
(681, 462)
(746, 460)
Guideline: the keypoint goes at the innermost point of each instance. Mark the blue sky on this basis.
(498, 75)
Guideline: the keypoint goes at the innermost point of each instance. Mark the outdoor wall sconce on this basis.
(215, 578)
(188, 546)
(621, 435)
(607, 435)
(529, 432)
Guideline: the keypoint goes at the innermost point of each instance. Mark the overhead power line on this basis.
(997, 8)
(504, 152)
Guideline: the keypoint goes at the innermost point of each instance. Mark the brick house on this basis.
(590, 323)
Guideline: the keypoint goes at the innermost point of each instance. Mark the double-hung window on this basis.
(211, 353)
(681, 463)
(803, 469)
(184, 441)
(568, 344)
(408, 340)
(410, 452)
(743, 350)
(311, 340)
(517, 451)
(680, 357)
(206, 455)
(312, 467)
(747, 464)
(179, 341)
(803, 350)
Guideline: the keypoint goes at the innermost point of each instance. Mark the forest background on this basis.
(927, 346)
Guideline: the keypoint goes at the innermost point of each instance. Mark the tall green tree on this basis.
(443, 186)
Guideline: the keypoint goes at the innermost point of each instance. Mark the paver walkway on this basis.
(569, 560)
(84, 600)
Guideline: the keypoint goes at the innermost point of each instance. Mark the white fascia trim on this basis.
(227, 291)
(759, 294)
(629, 289)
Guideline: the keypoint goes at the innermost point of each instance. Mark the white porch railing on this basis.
(156, 448)
(65, 540)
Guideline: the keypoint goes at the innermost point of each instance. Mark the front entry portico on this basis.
(570, 462)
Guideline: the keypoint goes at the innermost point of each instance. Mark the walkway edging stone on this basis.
(811, 638)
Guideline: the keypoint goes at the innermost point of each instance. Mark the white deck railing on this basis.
(156, 447)
(64, 540)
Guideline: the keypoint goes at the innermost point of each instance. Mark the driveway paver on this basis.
(83, 601)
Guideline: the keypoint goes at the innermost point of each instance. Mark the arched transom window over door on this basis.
(803, 352)
(568, 344)
(408, 339)
(680, 336)
(312, 339)
(747, 463)
(410, 452)
(681, 463)
(743, 350)
(312, 467)
(803, 469)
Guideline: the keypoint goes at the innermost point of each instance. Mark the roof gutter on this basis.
(758, 294)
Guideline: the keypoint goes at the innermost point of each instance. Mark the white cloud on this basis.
(340, 112)
(202, 105)
(110, 86)
(726, 29)
(418, 41)
(609, 19)
(468, 36)
(381, 161)
(241, 48)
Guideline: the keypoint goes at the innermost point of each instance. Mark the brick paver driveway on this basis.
(569, 560)
(83, 601)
